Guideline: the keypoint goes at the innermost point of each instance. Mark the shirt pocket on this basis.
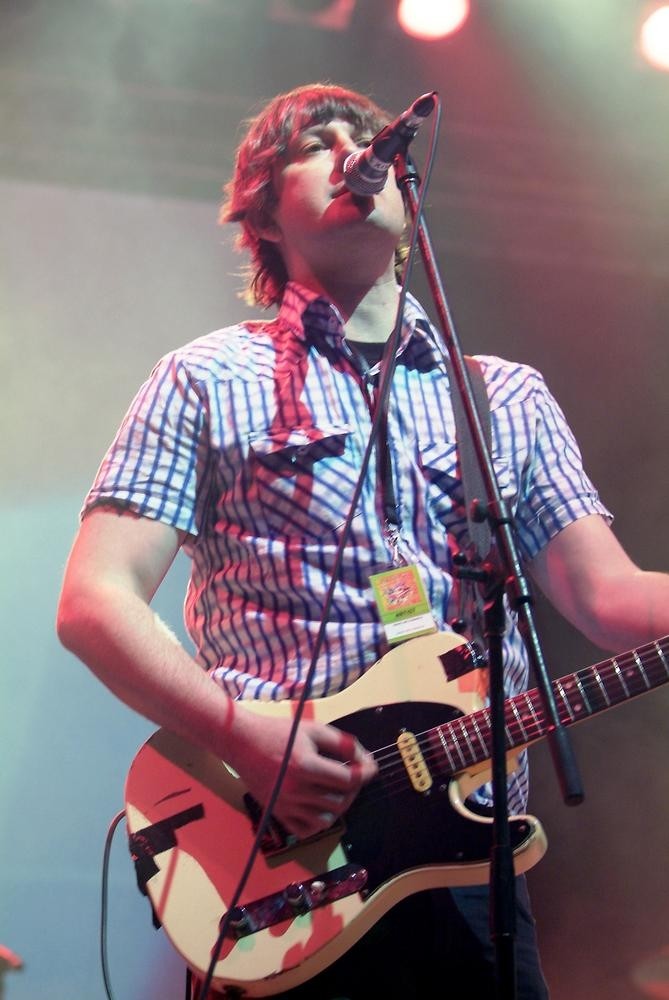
(442, 474)
(301, 479)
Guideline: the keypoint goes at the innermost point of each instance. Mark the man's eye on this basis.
(311, 147)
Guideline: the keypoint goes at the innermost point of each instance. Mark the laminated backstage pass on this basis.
(402, 602)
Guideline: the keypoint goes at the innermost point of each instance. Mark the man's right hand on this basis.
(326, 770)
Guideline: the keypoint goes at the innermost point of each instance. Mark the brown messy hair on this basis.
(250, 195)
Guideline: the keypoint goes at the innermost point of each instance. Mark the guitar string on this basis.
(394, 780)
(588, 682)
(392, 770)
(535, 727)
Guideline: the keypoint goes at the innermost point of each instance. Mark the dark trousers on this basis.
(433, 944)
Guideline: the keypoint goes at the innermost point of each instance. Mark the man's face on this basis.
(316, 218)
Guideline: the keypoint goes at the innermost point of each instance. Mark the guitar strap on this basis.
(472, 481)
(473, 486)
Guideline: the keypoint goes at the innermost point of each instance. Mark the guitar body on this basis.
(398, 837)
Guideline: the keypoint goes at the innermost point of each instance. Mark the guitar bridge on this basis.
(296, 899)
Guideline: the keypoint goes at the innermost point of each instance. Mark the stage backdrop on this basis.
(548, 211)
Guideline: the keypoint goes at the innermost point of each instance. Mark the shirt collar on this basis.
(306, 312)
(302, 310)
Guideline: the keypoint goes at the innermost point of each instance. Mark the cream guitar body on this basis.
(192, 825)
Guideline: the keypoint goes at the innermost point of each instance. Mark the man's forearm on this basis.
(634, 610)
(126, 645)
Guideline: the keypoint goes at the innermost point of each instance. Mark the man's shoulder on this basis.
(242, 350)
(507, 379)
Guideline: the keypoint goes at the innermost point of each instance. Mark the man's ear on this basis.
(266, 228)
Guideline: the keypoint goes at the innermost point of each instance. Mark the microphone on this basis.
(366, 172)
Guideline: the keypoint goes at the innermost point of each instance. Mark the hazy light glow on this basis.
(655, 38)
(429, 19)
(334, 15)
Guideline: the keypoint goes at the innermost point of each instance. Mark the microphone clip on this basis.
(366, 172)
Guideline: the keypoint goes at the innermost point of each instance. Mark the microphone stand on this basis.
(505, 576)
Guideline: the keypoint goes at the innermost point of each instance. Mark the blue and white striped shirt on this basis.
(250, 440)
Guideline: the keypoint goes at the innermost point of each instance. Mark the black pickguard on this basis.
(391, 828)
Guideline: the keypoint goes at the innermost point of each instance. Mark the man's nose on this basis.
(346, 145)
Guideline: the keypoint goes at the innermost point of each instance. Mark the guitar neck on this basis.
(467, 740)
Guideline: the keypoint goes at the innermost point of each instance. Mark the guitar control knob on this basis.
(241, 922)
(318, 889)
(297, 897)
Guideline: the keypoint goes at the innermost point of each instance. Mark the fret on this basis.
(660, 653)
(565, 700)
(583, 694)
(597, 695)
(510, 741)
(479, 735)
(641, 669)
(519, 719)
(446, 749)
(636, 679)
(602, 686)
(458, 749)
(620, 677)
(537, 721)
(466, 739)
(463, 727)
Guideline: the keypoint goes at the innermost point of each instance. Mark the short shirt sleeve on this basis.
(555, 489)
(156, 464)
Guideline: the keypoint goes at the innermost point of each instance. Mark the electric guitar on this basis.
(192, 823)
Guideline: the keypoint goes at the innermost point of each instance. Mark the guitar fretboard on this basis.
(467, 741)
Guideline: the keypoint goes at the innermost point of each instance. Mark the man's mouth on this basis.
(362, 201)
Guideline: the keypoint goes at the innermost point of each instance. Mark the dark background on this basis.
(548, 212)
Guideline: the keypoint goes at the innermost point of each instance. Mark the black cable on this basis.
(379, 415)
(104, 895)
(103, 902)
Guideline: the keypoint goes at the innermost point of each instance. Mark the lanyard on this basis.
(369, 354)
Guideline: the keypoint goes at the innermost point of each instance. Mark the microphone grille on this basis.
(360, 179)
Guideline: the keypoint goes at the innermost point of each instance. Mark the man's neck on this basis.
(373, 317)
(368, 313)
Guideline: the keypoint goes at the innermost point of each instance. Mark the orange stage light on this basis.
(431, 19)
(654, 38)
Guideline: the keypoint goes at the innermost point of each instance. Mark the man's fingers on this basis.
(344, 747)
(326, 774)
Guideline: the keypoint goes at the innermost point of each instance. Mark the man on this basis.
(244, 448)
